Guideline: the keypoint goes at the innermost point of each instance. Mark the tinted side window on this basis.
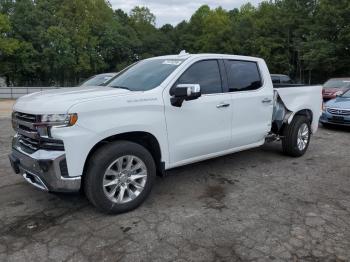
(206, 74)
(242, 75)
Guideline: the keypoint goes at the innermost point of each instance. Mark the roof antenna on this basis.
(183, 52)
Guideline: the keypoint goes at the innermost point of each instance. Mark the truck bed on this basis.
(289, 85)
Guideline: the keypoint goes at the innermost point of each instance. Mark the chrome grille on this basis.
(28, 144)
(29, 118)
(337, 111)
(29, 137)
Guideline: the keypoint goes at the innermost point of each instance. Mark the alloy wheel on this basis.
(303, 136)
(125, 179)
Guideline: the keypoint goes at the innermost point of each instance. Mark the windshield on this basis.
(346, 94)
(97, 80)
(145, 75)
(337, 83)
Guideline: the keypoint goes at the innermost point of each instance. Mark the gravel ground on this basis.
(256, 205)
(6, 107)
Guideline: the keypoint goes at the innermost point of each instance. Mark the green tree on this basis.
(326, 50)
(142, 15)
(152, 40)
(8, 45)
(61, 41)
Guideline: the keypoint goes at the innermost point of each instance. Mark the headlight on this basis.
(59, 119)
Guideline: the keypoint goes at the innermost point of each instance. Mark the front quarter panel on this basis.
(102, 118)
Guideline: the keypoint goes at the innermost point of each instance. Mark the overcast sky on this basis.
(174, 11)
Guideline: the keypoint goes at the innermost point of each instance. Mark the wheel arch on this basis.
(303, 112)
(145, 139)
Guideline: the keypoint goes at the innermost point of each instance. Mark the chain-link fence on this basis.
(16, 92)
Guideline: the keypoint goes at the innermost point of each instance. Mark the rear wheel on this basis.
(119, 177)
(296, 136)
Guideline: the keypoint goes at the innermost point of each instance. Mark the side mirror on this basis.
(184, 92)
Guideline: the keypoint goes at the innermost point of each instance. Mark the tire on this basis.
(109, 164)
(290, 140)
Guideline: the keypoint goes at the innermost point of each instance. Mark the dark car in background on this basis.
(335, 87)
(281, 79)
(337, 111)
(98, 80)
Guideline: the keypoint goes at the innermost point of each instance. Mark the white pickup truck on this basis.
(157, 114)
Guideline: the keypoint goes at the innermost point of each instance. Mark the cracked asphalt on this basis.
(256, 205)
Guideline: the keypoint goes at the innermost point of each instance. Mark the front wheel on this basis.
(296, 136)
(120, 176)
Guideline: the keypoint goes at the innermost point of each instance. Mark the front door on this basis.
(203, 126)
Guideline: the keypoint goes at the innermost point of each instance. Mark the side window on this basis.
(242, 75)
(206, 74)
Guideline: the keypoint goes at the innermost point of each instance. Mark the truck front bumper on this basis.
(46, 170)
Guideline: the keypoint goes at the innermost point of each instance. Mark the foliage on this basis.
(60, 42)
(142, 15)
(7, 45)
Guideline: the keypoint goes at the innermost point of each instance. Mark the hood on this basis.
(334, 90)
(60, 100)
(331, 90)
(339, 102)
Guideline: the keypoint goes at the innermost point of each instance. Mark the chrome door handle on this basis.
(267, 100)
(222, 105)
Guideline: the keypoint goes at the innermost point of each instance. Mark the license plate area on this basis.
(338, 118)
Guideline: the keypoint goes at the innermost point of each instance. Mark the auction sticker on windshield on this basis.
(172, 62)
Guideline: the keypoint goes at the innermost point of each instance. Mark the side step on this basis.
(271, 137)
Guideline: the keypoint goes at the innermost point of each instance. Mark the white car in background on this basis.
(98, 80)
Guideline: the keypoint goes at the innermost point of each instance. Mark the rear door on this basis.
(252, 102)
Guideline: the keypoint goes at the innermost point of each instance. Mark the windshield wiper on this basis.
(121, 87)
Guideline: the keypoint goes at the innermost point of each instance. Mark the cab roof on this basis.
(184, 56)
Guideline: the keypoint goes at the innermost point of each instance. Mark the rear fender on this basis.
(306, 100)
